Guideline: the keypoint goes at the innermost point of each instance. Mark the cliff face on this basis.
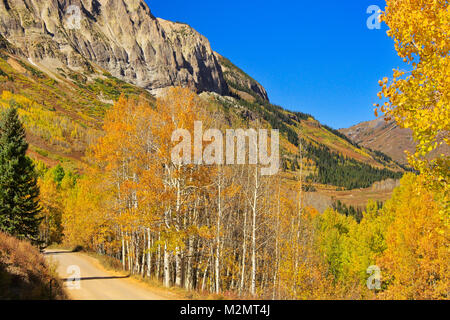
(120, 36)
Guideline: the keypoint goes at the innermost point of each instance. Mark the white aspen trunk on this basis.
(129, 255)
(211, 282)
(233, 282)
(143, 254)
(277, 235)
(188, 277)
(158, 265)
(166, 267)
(204, 275)
(244, 254)
(177, 249)
(123, 252)
(178, 275)
(137, 266)
(219, 219)
(254, 212)
(253, 274)
(149, 255)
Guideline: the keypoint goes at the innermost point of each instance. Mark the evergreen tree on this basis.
(19, 192)
(58, 174)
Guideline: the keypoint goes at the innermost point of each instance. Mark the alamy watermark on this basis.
(73, 282)
(73, 17)
(374, 280)
(230, 149)
(374, 21)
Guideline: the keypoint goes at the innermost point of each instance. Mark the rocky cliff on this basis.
(119, 36)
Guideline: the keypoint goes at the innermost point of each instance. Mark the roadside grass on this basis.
(24, 273)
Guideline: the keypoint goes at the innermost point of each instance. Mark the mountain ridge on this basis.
(387, 137)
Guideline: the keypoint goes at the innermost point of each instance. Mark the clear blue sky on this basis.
(317, 57)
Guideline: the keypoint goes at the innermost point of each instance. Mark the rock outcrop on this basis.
(120, 36)
(241, 83)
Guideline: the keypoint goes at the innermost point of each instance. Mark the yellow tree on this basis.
(87, 219)
(178, 109)
(419, 99)
(416, 259)
(146, 202)
(52, 208)
(127, 158)
(301, 271)
(416, 263)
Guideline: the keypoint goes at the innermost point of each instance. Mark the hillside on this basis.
(386, 137)
(240, 83)
(64, 80)
(24, 273)
(62, 112)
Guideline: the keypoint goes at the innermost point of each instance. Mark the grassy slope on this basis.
(62, 112)
(24, 273)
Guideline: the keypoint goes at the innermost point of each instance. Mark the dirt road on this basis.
(95, 282)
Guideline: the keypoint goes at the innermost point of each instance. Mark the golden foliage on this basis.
(415, 264)
(419, 99)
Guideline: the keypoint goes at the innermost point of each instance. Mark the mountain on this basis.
(63, 80)
(122, 37)
(386, 137)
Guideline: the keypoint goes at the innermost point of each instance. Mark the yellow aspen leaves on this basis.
(419, 98)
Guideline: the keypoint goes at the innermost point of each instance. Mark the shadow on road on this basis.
(95, 278)
(52, 253)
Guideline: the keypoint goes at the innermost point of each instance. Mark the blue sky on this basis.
(317, 57)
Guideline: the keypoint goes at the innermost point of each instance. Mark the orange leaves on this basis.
(178, 109)
(133, 160)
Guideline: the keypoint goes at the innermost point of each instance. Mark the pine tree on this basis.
(19, 192)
